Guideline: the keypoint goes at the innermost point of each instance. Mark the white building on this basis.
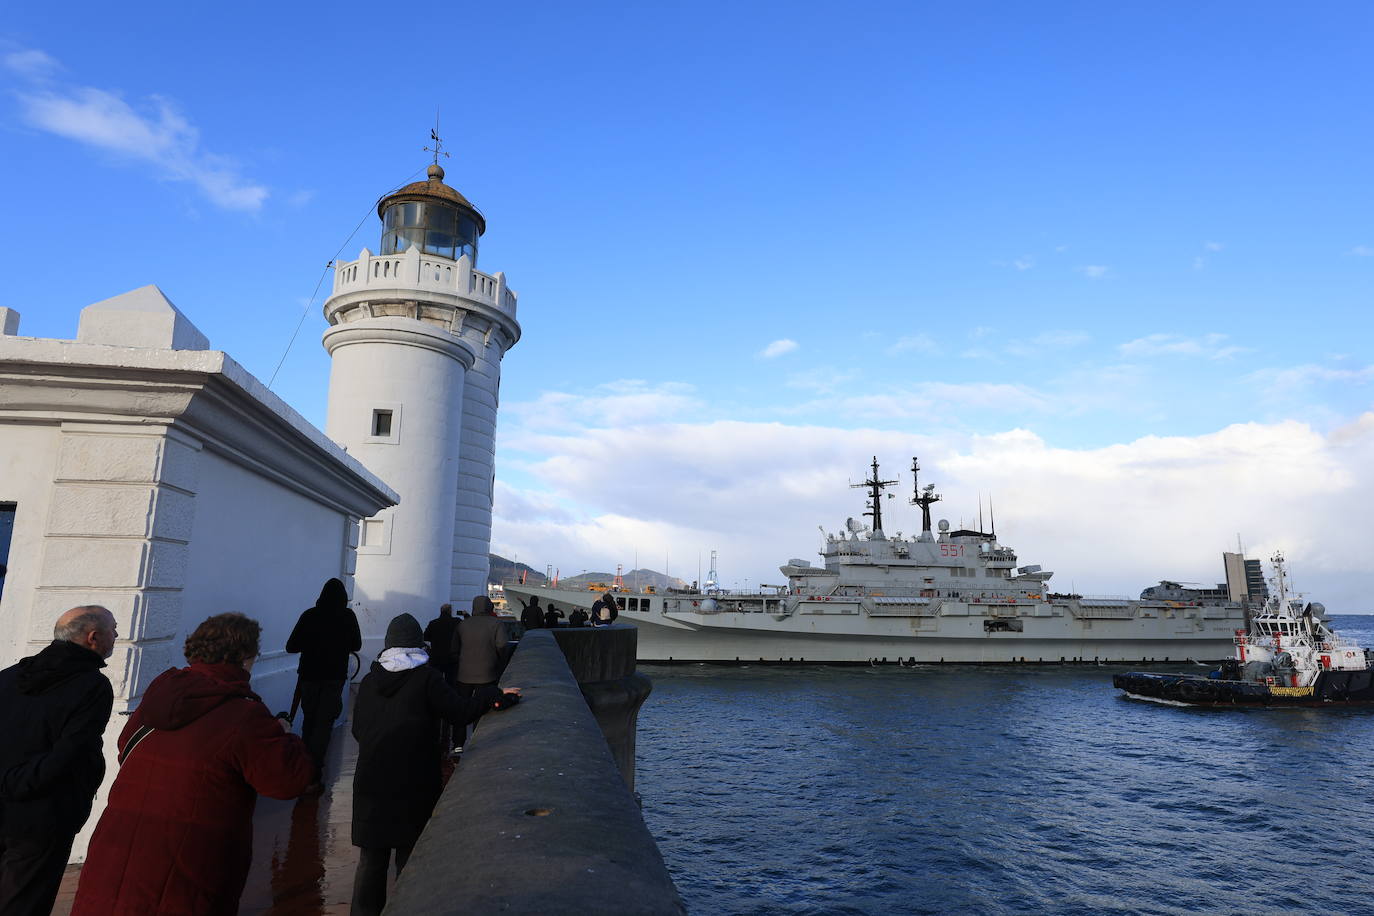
(416, 337)
(145, 472)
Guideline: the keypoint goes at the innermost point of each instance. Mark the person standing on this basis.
(481, 644)
(54, 707)
(397, 779)
(177, 833)
(324, 636)
(532, 617)
(439, 636)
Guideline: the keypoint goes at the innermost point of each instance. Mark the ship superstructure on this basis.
(943, 595)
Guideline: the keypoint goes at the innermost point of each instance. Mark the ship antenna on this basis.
(980, 513)
(992, 517)
(875, 488)
(922, 498)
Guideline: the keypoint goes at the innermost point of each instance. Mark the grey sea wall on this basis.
(540, 817)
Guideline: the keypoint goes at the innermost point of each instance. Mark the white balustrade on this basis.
(425, 272)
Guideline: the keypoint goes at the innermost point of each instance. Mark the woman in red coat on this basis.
(177, 834)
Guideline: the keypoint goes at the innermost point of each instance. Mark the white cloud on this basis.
(1363, 251)
(31, 63)
(1107, 520)
(156, 133)
(1212, 246)
(1093, 271)
(915, 343)
(621, 403)
(1199, 262)
(1287, 382)
(778, 348)
(1209, 346)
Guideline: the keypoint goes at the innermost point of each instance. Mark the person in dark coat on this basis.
(578, 618)
(397, 779)
(54, 707)
(439, 636)
(532, 617)
(551, 617)
(177, 833)
(481, 644)
(324, 636)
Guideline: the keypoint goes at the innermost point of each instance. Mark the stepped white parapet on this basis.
(423, 272)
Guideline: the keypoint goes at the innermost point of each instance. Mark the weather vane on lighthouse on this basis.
(438, 149)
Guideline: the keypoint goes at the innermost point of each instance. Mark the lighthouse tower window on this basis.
(384, 423)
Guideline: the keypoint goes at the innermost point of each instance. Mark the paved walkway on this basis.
(303, 861)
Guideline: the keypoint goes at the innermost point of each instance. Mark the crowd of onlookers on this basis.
(604, 612)
(176, 832)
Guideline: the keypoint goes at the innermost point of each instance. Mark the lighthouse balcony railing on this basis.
(424, 272)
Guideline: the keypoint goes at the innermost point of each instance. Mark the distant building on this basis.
(1244, 579)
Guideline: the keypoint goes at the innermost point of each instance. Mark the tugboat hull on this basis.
(1331, 688)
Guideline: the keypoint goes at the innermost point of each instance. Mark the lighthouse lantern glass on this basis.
(435, 227)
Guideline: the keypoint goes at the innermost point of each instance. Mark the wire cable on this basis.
(306, 311)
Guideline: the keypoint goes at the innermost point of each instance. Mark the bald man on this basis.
(53, 710)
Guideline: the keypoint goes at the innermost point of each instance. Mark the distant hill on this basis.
(503, 569)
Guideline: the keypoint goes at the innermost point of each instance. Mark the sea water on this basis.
(811, 789)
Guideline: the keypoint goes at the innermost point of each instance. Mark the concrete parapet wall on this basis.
(537, 819)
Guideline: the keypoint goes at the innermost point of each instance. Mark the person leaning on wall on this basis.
(177, 833)
(54, 707)
(397, 780)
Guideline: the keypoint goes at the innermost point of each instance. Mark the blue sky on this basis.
(1110, 264)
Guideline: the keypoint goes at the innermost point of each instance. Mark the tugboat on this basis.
(1287, 656)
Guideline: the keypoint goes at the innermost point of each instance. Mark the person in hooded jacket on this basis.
(397, 780)
(177, 833)
(54, 707)
(325, 635)
(532, 617)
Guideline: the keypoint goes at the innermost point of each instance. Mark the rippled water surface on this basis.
(1000, 790)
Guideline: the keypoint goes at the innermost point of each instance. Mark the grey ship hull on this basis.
(766, 628)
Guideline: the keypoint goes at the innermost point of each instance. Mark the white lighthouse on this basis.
(416, 338)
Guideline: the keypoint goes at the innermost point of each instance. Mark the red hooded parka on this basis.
(176, 836)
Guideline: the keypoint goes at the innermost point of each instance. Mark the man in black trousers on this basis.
(325, 635)
(54, 707)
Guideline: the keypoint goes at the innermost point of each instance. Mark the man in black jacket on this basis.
(324, 636)
(439, 635)
(54, 707)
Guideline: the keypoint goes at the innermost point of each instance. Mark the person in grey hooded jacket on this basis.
(397, 780)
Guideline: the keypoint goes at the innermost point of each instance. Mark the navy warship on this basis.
(942, 596)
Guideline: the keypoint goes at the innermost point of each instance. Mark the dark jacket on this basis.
(325, 635)
(532, 617)
(177, 834)
(481, 644)
(54, 707)
(397, 778)
(439, 635)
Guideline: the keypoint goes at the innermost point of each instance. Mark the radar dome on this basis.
(944, 524)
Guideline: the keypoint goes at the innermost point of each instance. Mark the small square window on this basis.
(381, 423)
(374, 530)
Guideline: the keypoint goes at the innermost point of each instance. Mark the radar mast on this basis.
(875, 496)
(923, 498)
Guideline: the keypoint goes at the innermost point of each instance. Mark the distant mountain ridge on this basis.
(503, 569)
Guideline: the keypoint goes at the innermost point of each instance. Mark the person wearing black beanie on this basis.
(396, 720)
